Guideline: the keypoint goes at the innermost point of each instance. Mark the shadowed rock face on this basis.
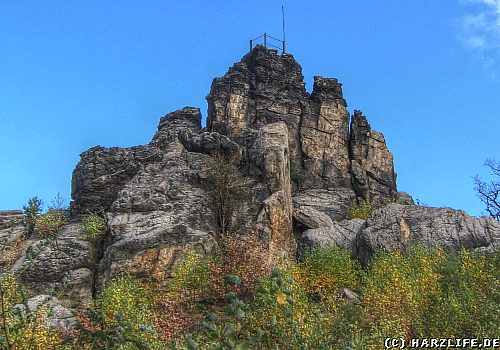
(156, 197)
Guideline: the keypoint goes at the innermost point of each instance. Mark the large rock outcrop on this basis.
(304, 160)
(397, 226)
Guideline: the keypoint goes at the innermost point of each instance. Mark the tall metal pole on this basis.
(265, 40)
(283, 17)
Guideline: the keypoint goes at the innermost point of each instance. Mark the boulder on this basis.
(311, 218)
(343, 234)
(152, 254)
(397, 226)
(333, 203)
(57, 316)
(62, 265)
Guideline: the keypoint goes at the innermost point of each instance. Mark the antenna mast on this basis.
(283, 17)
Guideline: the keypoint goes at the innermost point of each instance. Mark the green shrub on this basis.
(31, 211)
(123, 317)
(190, 278)
(21, 328)
(227, 190)
(469, 297)
(94, 225)
(49, 223)
(323, 270)
(361, 211)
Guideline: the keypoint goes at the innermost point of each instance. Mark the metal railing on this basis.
(266, 38)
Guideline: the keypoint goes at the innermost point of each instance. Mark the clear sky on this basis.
(75, 74)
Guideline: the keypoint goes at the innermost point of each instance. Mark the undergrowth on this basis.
(221, 302)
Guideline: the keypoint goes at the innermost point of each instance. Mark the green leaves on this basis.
(192, 345)
(232, 280)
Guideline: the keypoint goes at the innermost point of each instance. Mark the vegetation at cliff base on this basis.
(327, 300)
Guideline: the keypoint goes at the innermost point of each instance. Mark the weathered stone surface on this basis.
(209, 143)
(62, 265)
(396, 226)
(324, 134)
(372, 163)
(262, 88)
(57, 316)
(184, 121)
(343, 234)
(334, 203)
(275, 218)
(153, 253)
(102, 173)
(311, 218)
(11, 227)
(405, 198)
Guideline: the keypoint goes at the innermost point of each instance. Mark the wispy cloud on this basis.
(480, 31)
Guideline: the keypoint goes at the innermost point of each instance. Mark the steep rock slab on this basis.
(61, 266)
(11, 227)
(333, 203)
(343, 234)
(275, 219)
(102, 173)
(186, 121)
(311, 218)
(372, 165)
(396, 226)
(152, 254)
(262, 88)
(324, 134)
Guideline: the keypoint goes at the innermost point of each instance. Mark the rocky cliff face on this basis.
(304, 160)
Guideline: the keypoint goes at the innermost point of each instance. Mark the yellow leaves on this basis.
(29, 331)
(281, 299)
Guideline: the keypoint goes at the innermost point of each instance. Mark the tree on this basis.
(31, 211)
(227, 189)
(489, 191)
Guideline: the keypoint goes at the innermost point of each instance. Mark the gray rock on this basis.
(152, 254)
(55, 266)
(275, 218)
(396, 226)
(57, 316)
(372, 164)
(11, 227)
(102, 173)
(311, 218)
(343, 234)
(334, 203)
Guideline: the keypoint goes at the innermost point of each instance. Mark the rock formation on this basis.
(304, 160)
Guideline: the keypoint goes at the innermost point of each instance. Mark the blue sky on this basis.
(75, 74)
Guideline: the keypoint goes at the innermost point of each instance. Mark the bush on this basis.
(246, 256)
(190, 277)
(31, 211)
(49, 223)
(362, 210)
(398, 287)
(227, 190)
(122, 318)
(20, 328)
(94, 225)
(323, 270)
(469, 297)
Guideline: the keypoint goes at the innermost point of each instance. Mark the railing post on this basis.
(251, 45)
(265, 40)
